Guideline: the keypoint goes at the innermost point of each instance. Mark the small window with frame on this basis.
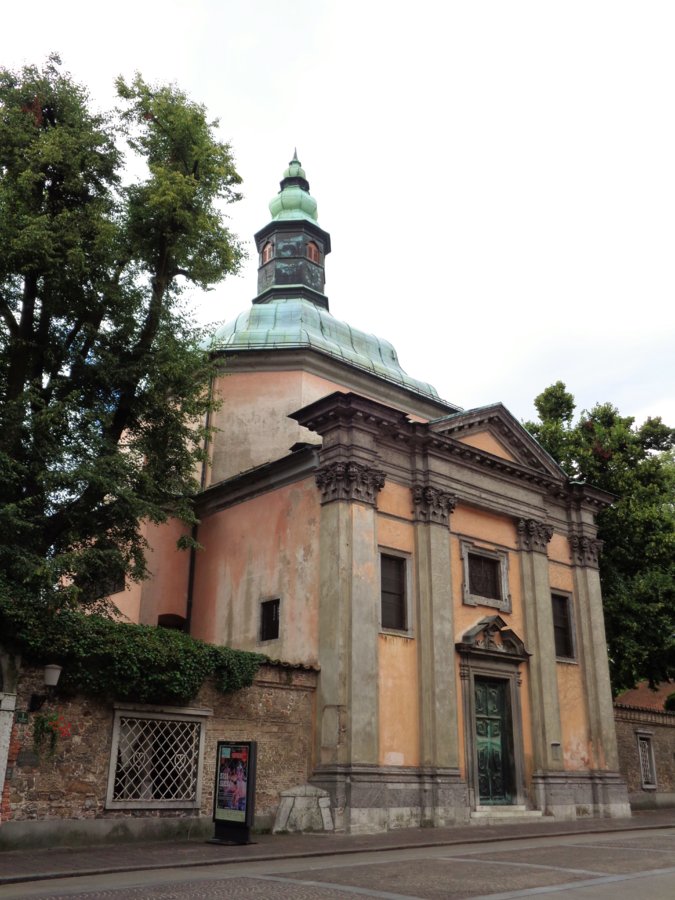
(486, 581)
(563, 626)
(646, 758)
(267, 252)
(394, 593)
(269, 619)
(313, 253)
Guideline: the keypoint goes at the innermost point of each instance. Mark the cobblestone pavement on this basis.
(579, 859)
(615, 865)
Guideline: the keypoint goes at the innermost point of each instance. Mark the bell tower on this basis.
(292, 248)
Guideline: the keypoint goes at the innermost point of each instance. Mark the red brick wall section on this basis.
(276, 711)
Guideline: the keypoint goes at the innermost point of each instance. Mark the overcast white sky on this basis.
(498, 178)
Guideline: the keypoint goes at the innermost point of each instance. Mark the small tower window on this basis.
(313, 252)
(267, 253)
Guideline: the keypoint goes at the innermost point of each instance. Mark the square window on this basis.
(156, 760)
(269, 620)
(563, 631)
(485, 577)
(394, 606)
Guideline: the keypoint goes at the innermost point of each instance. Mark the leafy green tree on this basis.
(637, 566)
(103, 377)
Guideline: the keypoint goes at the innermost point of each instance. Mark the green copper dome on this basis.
(290, 311)
(292, 324)
(293, 200)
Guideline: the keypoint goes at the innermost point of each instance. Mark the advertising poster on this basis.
(234, 782)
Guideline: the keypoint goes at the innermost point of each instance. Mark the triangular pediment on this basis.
(491, 637)
(486, 440)
(494, 431)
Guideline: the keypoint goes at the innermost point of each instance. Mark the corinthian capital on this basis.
(349, 481)
(585, 550)
(432, 505)
(533, 535)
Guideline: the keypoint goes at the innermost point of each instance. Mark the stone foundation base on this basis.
(567, 795)
(303, 808)
(368, 799)
(84, 832)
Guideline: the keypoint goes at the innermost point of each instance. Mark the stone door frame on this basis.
(491, 651)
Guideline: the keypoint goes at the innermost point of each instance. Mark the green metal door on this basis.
(493, 742)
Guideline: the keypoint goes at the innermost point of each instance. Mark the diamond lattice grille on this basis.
(157, 759)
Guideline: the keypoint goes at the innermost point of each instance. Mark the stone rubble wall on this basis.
(276, 711)
(661, 728)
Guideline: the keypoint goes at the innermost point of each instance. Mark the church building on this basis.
(434, 563)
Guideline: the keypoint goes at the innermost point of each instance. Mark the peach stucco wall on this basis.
(577, 748)
(252, 424)
(489, 530)
(484, 440)
(395, 500)
(167, 588)
(264, 548)
(398, 701)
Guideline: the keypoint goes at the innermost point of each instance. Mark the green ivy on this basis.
(108, 658)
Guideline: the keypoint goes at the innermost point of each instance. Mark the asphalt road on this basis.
(621, 866)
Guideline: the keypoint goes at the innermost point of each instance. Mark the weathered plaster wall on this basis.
(165, 591)
(252, 423)
(263, 548)
(398, 701)
(62, 798)
(577, 746)
(490, 530)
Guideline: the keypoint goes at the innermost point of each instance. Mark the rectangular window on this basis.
(562, 626)
(646, 755)
(269, 620)
(484, 577)
(393, 592)
(155, 760)
(486, 580)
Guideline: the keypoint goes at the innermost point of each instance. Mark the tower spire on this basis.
(292, 246)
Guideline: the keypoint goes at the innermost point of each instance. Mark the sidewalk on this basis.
(33, 865)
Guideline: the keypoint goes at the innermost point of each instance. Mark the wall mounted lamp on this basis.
(52, 674)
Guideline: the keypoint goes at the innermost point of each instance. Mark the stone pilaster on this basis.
(347, 701)
(593, 651)
(533, 537)
(439, 743)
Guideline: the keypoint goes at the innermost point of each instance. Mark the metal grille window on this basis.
(646, 754)
(155, 760)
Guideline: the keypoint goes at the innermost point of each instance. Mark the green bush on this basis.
(107, 658)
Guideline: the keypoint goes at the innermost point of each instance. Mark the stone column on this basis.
(444, 797)
(347, 701)
(552, 793)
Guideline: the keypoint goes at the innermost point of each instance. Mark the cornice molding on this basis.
(533, 536)
(349, 481)
(260, 480)
(431, 505)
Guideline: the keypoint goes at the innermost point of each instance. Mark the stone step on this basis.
(504, 815)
